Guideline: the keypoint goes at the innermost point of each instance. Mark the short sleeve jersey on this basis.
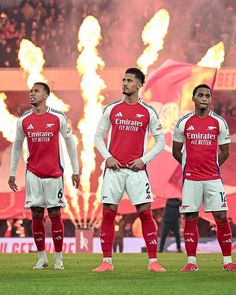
(129, 126)
(43, 141)
(201, 137)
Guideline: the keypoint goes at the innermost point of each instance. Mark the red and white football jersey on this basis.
(43, 136)
(129, 125)
(201, 137)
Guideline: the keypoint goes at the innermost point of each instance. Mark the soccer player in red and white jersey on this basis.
(128, 120)
(42, 127)
(201, 133)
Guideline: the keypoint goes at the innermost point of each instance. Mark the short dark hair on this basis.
(45, 87)
(201, 86)
(138, 74)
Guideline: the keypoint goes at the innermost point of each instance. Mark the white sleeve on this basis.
(157, 133)
(65, 131)
(17, 148)
(178, 134)
(224, 136)
(103, 126)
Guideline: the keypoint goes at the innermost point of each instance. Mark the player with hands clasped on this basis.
(129, 121)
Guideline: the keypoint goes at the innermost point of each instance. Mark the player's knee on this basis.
(37, 213)
(145, 215)
(221, 216)
(54, 212)
(108, 214)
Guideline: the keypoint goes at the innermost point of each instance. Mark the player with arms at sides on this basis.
(42, 127)
(129, 120)
(201, 133)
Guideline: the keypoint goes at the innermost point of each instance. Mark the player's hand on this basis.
(75, 180)
(113, 163)
(12, 184)
(136, 164)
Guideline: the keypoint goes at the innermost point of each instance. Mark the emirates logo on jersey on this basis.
(40, 136)
(201, 138)
(128, 125)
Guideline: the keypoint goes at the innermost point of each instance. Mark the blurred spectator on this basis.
(119, 233)
(171, 221)
(232, 226)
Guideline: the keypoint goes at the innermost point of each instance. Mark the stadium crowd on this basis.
(53, 25)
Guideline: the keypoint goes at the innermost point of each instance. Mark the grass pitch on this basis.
(130, 276)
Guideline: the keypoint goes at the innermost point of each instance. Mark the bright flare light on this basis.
(32, 61)
(153, 36)
(88, 63)
(212, 59)
(7, 120)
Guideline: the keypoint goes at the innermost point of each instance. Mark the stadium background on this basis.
(53, 27)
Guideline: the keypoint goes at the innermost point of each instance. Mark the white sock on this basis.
(192, 259)
(108, 259)
(58, 255)
(152, 260)
(227, 259)
(42, 254)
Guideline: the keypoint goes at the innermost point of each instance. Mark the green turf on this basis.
(130, 276)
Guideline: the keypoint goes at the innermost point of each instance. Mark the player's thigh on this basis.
(54, 192)
(138, 187)
(34, 191)
(113, 186)
(192, 196)
(214, 196)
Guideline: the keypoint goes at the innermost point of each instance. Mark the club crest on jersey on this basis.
(49, 125)
(139, 115)
(211, 127)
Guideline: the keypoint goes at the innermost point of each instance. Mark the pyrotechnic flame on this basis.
(88, 63)
(70, 189)
(7, 120)
(32, 61)
(153, 36)
(96, 203)
(212, 59)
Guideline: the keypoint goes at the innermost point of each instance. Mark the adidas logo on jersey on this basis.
(119, 114)
(49, 125)
(30, 126)
(211, 127)
(139, 115)
(190, 127)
